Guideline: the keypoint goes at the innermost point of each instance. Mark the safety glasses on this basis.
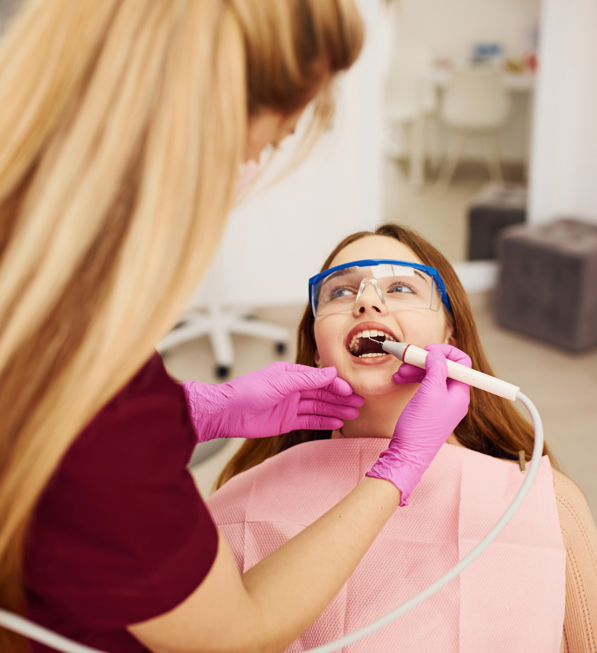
(400, 285)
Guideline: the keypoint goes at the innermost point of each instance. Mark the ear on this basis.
(451, 337)
(317, 359)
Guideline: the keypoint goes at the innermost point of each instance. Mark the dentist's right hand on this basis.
(279, 398)
(427, 421)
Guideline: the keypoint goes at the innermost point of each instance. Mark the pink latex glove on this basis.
(426, 422)
(279, 398)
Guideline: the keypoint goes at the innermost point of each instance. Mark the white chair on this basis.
(475, 103)
(407, 100)
(209, 314)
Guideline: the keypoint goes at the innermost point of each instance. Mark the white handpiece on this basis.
(416, 356)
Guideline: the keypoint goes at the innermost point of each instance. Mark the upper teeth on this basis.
(370, 333)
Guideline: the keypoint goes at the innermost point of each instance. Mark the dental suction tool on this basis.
(414, 356)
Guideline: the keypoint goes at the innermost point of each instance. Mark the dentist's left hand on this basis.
(279, 398)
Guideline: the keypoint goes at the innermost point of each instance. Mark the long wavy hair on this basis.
(123, 126)
(492, 425)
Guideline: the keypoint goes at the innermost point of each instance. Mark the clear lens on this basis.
(401, 288)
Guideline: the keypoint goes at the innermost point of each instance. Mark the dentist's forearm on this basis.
(294, 585)
(274, 602)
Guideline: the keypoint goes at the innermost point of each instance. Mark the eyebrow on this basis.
(340, 273)
(421, 275)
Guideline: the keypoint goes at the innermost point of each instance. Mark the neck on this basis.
(378, 417)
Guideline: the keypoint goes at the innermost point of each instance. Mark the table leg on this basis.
(417, 153)
(529, 135)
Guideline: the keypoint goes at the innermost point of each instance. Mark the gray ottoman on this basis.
(548, 282)
(495, 207)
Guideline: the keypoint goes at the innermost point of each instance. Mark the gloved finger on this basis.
(452, 353)
(285, 366)
(455, 388)
(294, 378)
(411, 374)
(459, 393)
(460, 396)
(318, 423)
(340, 387)
(325, 395)
(436, 369)
(408, 374)
(337, 385)
(324, 409)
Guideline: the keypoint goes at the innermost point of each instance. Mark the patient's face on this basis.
(372, 376)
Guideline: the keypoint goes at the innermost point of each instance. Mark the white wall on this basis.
(278, 239)
(449, 28)
(563, 179)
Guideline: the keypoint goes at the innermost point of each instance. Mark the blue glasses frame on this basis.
(432, 272)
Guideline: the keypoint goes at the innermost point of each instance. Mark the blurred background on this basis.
(473, 122)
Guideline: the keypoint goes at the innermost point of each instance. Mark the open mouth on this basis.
(368, 343)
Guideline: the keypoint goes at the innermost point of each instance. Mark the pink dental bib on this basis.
(510, 600)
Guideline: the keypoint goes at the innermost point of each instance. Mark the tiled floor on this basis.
(563, 386)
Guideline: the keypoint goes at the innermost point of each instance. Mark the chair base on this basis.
(219, 323)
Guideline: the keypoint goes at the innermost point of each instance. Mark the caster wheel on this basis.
(222, 371)
(280, 348)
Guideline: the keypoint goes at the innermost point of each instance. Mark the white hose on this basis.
(468, 559)
(23, 626)
(32, 631)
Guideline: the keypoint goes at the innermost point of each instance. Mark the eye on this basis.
(401, 287)
(340, 292)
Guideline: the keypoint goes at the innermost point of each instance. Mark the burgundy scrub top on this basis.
(120, 534)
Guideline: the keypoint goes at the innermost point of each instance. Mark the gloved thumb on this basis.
(408, 374)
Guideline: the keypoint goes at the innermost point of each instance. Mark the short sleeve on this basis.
(121, 533)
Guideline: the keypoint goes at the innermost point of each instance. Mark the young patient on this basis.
(534, 589)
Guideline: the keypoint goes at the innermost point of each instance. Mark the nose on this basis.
(370, 299)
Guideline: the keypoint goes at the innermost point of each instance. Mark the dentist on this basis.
(123, 127)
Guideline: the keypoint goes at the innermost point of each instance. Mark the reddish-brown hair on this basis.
(492, 425)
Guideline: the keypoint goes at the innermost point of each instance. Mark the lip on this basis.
(362, 326)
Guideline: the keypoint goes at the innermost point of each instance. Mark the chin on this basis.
(371, 383)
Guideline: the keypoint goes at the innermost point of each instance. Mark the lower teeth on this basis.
(371, 355)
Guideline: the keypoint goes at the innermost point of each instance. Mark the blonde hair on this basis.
(123, 126)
